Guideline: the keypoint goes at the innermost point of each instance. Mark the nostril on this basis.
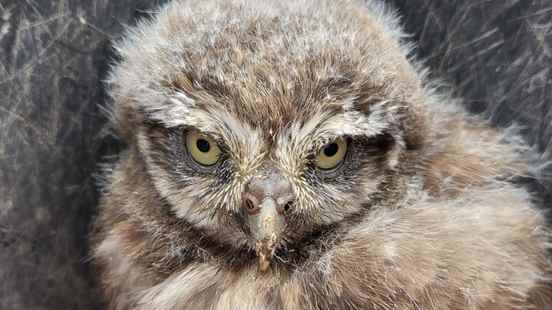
(287, 206)
(250, 204)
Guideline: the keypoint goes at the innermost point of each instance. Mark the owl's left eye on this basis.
(203, 149)
(331, 154)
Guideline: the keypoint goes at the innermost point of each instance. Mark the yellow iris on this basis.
(203, 149)
(331, 154)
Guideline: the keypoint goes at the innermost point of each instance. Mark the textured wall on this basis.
(497, 54)
(53, 56)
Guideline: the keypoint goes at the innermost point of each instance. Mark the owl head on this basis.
(264, 129)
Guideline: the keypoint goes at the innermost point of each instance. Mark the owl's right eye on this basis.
(203, 149)
(331, 154)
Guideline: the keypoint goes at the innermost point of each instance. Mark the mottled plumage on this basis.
(419, 213)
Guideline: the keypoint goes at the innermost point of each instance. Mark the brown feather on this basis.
(420, 215)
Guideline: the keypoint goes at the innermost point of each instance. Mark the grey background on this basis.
(496, 54)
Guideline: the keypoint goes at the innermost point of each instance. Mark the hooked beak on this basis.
(267, 198)
(266, 226)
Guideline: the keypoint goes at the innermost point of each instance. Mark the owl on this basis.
(295, 155)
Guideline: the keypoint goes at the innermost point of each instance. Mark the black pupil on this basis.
(331, 149)
(203, 145)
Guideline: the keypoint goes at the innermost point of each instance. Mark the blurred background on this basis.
(54, 54)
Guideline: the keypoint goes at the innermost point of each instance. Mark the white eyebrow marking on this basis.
(349, 122)
(244, 142)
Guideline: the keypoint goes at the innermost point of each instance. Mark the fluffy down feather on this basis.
(496, 54)
(427, 218)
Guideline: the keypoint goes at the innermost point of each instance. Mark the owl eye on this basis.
(331, 154)
(203, 149)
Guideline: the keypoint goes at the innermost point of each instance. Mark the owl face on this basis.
(266, 133)
(270, 183)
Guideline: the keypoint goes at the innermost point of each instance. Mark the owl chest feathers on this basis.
(395, 259)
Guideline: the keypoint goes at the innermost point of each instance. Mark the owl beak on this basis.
(266, 226)
(267, 199)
